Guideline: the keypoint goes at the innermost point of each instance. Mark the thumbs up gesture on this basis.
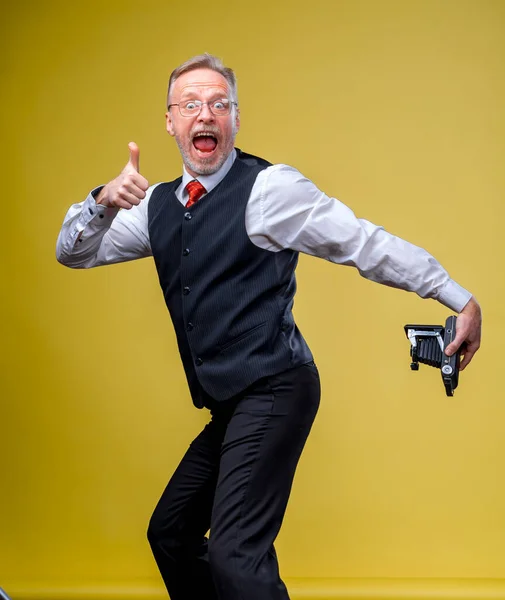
(129, 187)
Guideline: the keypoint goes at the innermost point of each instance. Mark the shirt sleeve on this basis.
(93, 235)
(287, 211)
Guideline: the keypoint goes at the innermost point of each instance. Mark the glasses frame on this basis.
(201, 106)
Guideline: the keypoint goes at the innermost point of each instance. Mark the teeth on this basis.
(204, 134)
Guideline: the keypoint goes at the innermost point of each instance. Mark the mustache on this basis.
(209, 129)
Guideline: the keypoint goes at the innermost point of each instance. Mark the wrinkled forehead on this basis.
(199, 83)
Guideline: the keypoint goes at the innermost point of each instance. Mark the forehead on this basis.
(199, 81)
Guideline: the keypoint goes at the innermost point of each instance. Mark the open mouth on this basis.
(205, 142)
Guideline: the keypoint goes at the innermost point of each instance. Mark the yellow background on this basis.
(394, 107)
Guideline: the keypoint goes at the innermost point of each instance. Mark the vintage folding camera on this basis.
(428, 344)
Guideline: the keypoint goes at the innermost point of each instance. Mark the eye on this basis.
(220, 105)
(191, 105)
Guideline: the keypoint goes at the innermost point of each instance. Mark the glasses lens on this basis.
(221, 107)
(190, 108)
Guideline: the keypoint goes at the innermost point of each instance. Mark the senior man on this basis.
(225, 238)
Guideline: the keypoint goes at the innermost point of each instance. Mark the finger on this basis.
(134, 156)
(469, 352)
(459, 338)
(467, 359)
(120, 203)
(130, 197)
(455, 345)
(134, 182)
(142, 183)
(131, 185)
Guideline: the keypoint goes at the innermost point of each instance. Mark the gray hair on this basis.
(205, 61)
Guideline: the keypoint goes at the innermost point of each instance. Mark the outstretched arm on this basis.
(286, 210)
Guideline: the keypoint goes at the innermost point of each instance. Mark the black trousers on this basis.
(235, 479)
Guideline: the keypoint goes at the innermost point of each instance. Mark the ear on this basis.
(169, 123)
(237, 119)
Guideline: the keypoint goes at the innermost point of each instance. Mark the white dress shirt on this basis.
(285, 211)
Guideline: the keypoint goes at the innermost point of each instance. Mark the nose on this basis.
(205, 115)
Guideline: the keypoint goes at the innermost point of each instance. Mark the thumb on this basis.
(460, 337)
(453, 346)
(134, 156)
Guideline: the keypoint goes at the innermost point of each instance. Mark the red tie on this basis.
(195, 191)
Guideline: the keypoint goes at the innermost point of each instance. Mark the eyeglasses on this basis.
(192, 108)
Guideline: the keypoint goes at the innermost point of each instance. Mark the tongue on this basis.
(205, 143)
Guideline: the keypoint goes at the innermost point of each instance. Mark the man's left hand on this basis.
(468, 332)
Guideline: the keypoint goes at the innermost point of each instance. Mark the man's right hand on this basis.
(129, 188)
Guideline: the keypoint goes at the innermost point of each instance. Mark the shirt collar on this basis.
(209, 182)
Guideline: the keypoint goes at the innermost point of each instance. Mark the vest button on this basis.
(198, 362)
(189, 327)
(188, 216)
(185, 252)
(186, 290)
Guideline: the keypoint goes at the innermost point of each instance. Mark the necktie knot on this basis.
(195, 191)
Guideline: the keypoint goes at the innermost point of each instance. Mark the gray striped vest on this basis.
(230, 301)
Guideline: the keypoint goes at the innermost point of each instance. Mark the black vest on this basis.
(229, 300)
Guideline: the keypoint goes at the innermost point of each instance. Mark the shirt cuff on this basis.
(454, 296)
(100, 214)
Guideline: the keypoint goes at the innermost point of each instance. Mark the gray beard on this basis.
(202, 168)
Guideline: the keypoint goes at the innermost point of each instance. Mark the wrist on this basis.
(101, 197)
(472, 307)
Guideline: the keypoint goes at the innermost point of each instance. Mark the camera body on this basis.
(428, 344)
